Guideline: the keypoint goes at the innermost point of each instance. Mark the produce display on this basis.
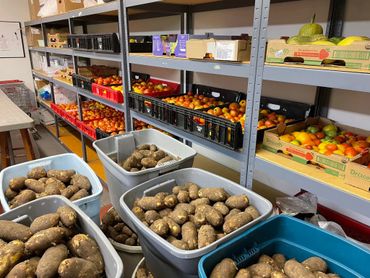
(96, 71)
(114, 228)
(193, 101)
(328, 139)
(50, 247)
(145, 157)
(150, 88)
(40, 182)
(110, 80)
(191, 217)
(276, 266)
(64, 75)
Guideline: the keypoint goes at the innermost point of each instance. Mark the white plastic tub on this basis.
(28, 212)
(162, 258)
(118, 179)
(90, 204)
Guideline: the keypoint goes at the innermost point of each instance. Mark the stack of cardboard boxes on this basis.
(62, 6)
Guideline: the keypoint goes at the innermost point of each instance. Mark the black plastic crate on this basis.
(82, 81)
(142, 44)
(105, 43)
(80, 42)
(101, 134)
(139, 77)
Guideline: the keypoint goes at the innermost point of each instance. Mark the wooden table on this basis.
(13, 118)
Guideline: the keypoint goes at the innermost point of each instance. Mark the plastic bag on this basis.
(304, 203)
(50, 8)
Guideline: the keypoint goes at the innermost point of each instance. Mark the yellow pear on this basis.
(349, 40)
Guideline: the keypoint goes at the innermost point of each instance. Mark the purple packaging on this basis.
(170, 45)
(180, 49)
(157, 45)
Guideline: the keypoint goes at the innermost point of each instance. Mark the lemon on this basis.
(311, 29)
(349, 40)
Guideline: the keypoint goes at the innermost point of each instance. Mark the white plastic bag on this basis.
(50, 8)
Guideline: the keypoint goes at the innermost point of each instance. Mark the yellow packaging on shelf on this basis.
(354, 56)
(333, 164)
(358, 173)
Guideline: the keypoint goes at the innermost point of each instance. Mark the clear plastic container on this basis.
(26, 213)
(90, 204)
(120, 147)
(162, 258)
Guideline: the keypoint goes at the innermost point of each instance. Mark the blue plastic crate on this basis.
(295, 239)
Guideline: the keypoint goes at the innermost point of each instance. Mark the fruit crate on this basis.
(295, 239)
(85, 128)
(82, 82)
(105, 42)
(174, 88)
(80, 42)
(143, 44)
(107, 92)
(56, 109)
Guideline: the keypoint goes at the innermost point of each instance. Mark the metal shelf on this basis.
(220, 68)
(238, 155)
(59, 51)
(316, 76)
(85, 93)
(286, 175)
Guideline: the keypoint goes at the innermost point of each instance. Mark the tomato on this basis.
(350, 152)
(320, 135)
(328, 152)
(331, 147)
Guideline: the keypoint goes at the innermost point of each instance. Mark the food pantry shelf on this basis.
(220, 68)
(117, 106)
(278, 172)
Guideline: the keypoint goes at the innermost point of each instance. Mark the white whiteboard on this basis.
(11, 41)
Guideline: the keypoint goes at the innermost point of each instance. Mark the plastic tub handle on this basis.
(245, 256)
(159, 187)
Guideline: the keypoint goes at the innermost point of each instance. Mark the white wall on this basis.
(16, 68)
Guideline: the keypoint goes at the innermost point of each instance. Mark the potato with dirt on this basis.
(10, 230)
(50, 261)
(37, 173)
(35, 185)
(183, 196)
(10, 255)
(221, 207)
(23, 197)
(237, 201)
(193, 190)
(231, 213)
(224, 269)
(173, 227)
(69, 191)
(44, 222)
(151, 216)
(143, 147)
(62, 175)
(170, 201)
(10, 194)
(79, 195)
(78, 268)
(180, 216)
(68, 216)
(85, 247)
(200, 201)
(243, 273)
(294, 269)
(261, 269)
(214, 194)
(44, 239)
(199, 219)
(57, 183)
(315, 264)
(52, 189)
(139, 212)
(253, 212)
(81, 181)
(17, 183)
(150, 203)
(164, 160)
(189, 235)
(148, 162)
(130, 162)
(158, 155)
(206, 236)
(278, 274)
(190, 209)
(279, 260)
(25, 269)
(160, 227)
(236, 221)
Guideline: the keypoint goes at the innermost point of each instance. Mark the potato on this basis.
(170, 201)
(202, 208)
(148, 162)
(69, 191)
(176, 189)
(130, 241)
(2, 243)
(158, 155)
(261, 269)
(45, 239)
(224, 269)
(315, 264)
(214, 217)
(279, 260)
(17, 184)
(165, 159)
(292, 268)
(190, 235)
(10, 255)
(333, 275)
(165, 212)
(180, 244)
(278, 274)
(85, 247)
(174, 228)
(319, 274)
(81, 181)
(183, 196)
(57, 183)
(68, 216)
(200, 201)
(62, 175)
(236, 221)
(266, 259)
(50, 261)
(243, 273)
(23, 197)
(10, 194)
(220, 235)
(206, 236)
(79, 195)
(193, 190)
(221, 207)
(44, 222)
(190, 209)
(141, 273)
(161, 195)
(198, 219)
(150, 202)
(130, 162)
(10, 230)
(214, 194)
(231, 213)
(160, 227)
(77, 268)
(121, 238)
(139, 212)
(146, 153)
(143, 147)
(253, 212)
(52, 189)
(24, 269)
(44, 179)
(134, 170)
(151, 216)
(237, 201)
(37, 173)
(180, 216)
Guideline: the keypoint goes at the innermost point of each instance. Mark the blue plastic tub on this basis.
(295, 239)
(90, 204)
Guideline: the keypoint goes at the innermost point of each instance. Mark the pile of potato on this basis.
(50, 247)
(276, 266)
(143, 272)
(193, 217)
(40, 183)
(116, 229)
(145, 157)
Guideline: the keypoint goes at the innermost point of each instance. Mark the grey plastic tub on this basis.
(162, 258)
(28, 212)
(118, 179)
(90, 204)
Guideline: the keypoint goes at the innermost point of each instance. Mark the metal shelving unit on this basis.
(255, 164)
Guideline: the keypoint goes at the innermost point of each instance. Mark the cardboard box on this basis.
(34, 7)
(57, 40)
(69, 5)
(358, 173)
(332, 164)
(33, 35)
(354, 56)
